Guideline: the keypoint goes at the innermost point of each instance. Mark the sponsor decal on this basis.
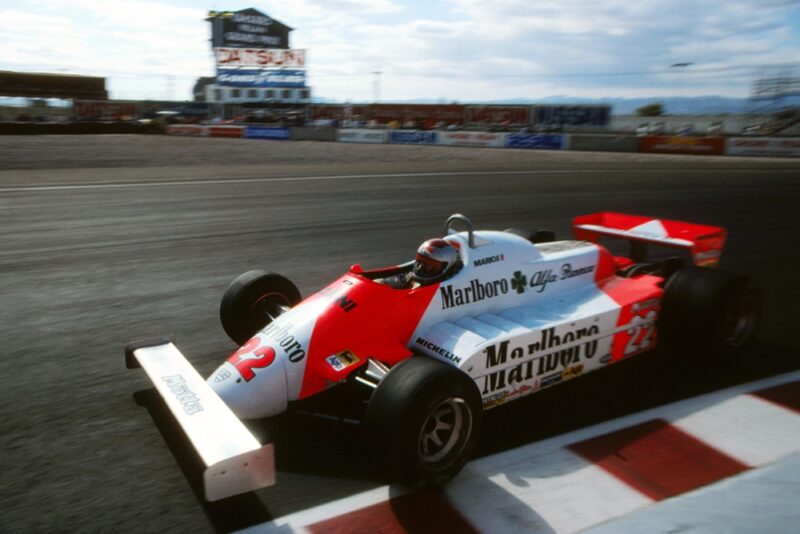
(519, 281)
(294, 349)
(577, 347)
(188, 400)
(222, 374)
(343, 360)
(345, 303)
(645, 305)
(433, 347)
(495, 400)
(540, 279)
(571, 372)
(568, 272)
(476, 291)
(488, 260)
(524, 389)
(550, 380)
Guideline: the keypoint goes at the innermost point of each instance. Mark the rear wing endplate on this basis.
(235, 462)
(705, 243)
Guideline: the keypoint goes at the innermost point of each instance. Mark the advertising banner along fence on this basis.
(763, 146)
(412, 137)
(477, 139)
(682, 145)
(361, 135)
(187, 130)
(266, 132)
(541, 141)
(225, 131)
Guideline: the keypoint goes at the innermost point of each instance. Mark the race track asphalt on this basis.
(112, 238)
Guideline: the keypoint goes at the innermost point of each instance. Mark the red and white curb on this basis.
(578, 480)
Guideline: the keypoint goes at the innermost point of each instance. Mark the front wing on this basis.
(235, 462)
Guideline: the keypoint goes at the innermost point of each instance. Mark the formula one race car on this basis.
(477, 319)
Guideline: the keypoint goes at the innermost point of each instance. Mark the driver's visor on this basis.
(427, 267)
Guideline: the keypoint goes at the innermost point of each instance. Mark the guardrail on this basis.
(734, 146)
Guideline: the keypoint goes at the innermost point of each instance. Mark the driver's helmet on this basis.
(436, 260)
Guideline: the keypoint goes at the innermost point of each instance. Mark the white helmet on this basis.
(436, 260)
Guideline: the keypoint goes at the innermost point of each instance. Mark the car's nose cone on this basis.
(252, 382)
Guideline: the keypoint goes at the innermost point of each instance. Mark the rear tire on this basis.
(425, 419)
(708, 312)
(252, 301)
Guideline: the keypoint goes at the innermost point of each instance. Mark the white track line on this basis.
(183, 183)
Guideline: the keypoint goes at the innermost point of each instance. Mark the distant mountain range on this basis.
(696, 105)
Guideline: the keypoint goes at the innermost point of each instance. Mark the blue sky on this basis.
(450, 50)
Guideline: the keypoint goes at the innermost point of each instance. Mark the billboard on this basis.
(579, 115)
(248, 28)
(261, 78)
(259, 57)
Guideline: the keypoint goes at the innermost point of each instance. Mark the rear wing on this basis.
(235, 462)
(705, 243)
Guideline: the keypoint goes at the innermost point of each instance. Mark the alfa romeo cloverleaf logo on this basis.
(519, 282)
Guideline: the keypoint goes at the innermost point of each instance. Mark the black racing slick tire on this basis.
(708, 312)
(424, 419)
(252, 301)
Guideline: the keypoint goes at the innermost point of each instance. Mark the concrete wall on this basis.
(603, 143)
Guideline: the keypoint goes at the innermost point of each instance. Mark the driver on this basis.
(436, 260)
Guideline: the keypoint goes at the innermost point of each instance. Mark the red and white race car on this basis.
(478, 319)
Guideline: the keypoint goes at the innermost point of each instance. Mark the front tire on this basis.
(252, 301)
(425, 418)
